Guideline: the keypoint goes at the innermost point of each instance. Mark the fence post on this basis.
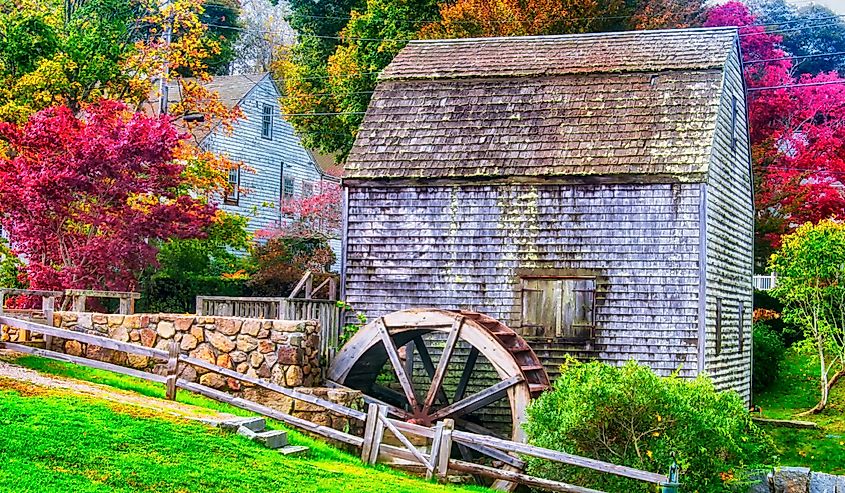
(79, 303)
(436, 442)
(48, 306)
(444, 450)
(172, 367)
(373, 434)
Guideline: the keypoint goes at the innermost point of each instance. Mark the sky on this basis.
(837, 6)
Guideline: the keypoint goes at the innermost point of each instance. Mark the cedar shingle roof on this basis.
(595, 104)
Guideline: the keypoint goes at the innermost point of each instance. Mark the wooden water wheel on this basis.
(380, 361)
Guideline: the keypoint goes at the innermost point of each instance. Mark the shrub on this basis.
(769, 352)
(280, 263)
(630, 416)
(165, 294)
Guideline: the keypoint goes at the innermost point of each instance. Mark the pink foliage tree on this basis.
(797, 133)
(84, 197)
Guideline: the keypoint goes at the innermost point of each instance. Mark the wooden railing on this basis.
(327, 312)
(435, 457)
(765, 283)
(79, 297)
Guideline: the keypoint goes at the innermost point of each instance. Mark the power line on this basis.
(805, 84)
(801, 57)
(781, 31)
(488, 21)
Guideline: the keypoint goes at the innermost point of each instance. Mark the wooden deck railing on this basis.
(435, 457)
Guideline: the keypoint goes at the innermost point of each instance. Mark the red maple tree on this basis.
(797, 133)
(83, 197)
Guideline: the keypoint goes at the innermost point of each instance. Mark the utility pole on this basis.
(163, 88)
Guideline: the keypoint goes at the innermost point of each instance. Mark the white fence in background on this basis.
(765, 283)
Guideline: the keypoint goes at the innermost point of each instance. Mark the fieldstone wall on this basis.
(312, 412)
(281, 351)
(798, 480)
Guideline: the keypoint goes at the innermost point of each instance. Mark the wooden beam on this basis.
(79, 360)
(557, 456)
(369, 431)
(443, 364)
(517, 477)
(428, 365)
(85, 338)
(478, 400)
(395, 411)
(300, 284)
(469, 367)
(293, 394)
(404, 440)
(172, 368)
(393, 355)
(786, 423)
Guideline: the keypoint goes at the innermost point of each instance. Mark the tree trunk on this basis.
(823, 376)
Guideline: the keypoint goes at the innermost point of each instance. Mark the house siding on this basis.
(261, 173)
(465, 246)
(729, 242)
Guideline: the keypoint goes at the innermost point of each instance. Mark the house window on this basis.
(558, 307)
(287, 188)
(234, 182)
(718, 326)
(733, 123)
(307, 189)
(267, 122)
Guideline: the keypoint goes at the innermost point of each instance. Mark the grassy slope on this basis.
(53, 442)
(796, 391)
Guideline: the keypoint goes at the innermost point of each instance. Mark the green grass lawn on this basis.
(56, 442)
(796, 391)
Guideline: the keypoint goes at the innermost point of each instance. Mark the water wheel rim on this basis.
(412, 323)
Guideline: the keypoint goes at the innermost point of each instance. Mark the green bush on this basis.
(630, 416)
(769, 352)
(165, 294)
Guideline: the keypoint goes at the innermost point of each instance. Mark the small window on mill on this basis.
(558, 307)
(234, 182)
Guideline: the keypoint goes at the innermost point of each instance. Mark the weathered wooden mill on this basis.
(586, 194)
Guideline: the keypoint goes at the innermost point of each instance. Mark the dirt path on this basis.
(160, 407)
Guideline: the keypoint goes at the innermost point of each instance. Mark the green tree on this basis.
(811, 285)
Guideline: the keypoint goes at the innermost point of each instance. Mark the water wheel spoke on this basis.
(386, 395)
(443, 364)
(428, 365)
(398, 368)
(478, 400)
(467, 373)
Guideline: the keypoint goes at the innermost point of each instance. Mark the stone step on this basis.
(293, 450)
(272, 439)
(252, 424)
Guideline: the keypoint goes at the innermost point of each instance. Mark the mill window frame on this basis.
(267, 121)
(233, 195)
(558, 307)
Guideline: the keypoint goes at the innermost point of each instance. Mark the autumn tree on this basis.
(811, 285)
(797, 140)
(85, 196)
(329, 79)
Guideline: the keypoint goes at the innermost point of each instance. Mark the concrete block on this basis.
(823, 483)
(791, 480)
(246, 432)
(252, 424)
(273, 439)
(293, 450)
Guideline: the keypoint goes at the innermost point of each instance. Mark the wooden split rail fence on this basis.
(435, 459)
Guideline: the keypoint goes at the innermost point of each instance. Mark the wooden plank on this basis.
(787, 423)
(557, 456)
(395, 411)
(404, 440)
(100, 365)
(478, 400)
(300, 423)
(369, 432)
(102, 294)
(444, 451)
(443, 364)
(85, 338)
(378, 435)
(331, 406)
(436, 444)
(460, 391)
(29, 292)
(172, 367)
(393, 354)
(517, 477)
(300, 284)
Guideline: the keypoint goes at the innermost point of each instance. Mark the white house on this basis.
(275, 165)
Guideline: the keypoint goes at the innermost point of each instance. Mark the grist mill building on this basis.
(593, 192)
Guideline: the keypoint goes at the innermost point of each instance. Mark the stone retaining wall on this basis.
(798, 480)
(281, 351)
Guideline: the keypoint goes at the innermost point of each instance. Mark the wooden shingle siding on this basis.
(730, 227)
(466, 246)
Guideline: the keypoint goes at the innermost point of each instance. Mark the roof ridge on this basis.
(553, 37)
